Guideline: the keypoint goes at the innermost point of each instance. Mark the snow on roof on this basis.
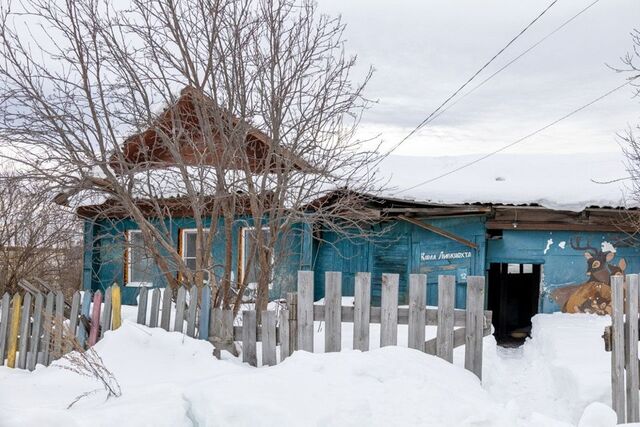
(556, 181)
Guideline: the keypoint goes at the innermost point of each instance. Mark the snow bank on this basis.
(557, 181)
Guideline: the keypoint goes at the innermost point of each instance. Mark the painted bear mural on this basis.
(594, 295)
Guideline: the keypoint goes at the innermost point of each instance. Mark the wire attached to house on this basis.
(434, 112)
(524, 138)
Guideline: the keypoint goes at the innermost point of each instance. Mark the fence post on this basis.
(333, 311)
(305, 310)
(417, 310)
(617, 353)
(13, 331)
(249, 337)
(444, 337)
(362, 311)
(292, 304)
(474, 325)
(116, 306)
(389, 310)
(632, 383)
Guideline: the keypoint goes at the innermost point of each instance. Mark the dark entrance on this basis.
(513, 294)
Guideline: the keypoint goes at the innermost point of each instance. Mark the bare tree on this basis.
(259, 122)
(38, 239)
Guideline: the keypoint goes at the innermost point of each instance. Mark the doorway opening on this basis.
(513, 295)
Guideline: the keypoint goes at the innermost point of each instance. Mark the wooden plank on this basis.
(94, 331)
(459, 337)
(475, 325)
(205, 310)
(82, 334)
(143, 296)
(446, 300)
(5, 306)
(73, 319)
(215, 331)
(285, 340)
(178, 323)
(362, 311)
(292, 305)
(249, 337)
(305, 310)
(165, 318)
(14, 326)
(227, 332)
(417, 310)
(45, 357)
(333, 302)
(116, 307)
(25, 326)
(439, 231)
(617, 353)
(191, 312)
(34, 348)
(269, 357)
(632, 380)
(58, 325)
(389, 310)
(155, 308)
(105, 324)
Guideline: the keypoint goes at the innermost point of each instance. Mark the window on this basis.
(189, 252)
(139, 261)
(247, 244)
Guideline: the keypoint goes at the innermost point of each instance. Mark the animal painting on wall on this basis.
(593, 295)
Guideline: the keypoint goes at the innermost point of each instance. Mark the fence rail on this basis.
(31, 331)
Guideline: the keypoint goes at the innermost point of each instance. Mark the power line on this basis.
(417, 128)
(478, 86)
(524, 138)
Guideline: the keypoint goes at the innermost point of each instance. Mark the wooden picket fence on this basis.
(31, 330)
(621, 338)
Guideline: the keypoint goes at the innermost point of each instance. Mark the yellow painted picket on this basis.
(116, 307)
(13, 331)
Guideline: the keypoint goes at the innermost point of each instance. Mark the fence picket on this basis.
(285, 342)
(292, 305)
(73, 316)
(142, 306)
(617, 356)
(332, 313)
(362, 311)
(178, 324)
(474, 325)
(389, 310)
(116, 307)
(205, 311)
(632, 383)
(24, 332)
(155, 308)
(249, 337)
(444, 337)
(47, 322)
(4, 325)
(165, 319)
(191, 312)
(58, 325)
(36, 330)
(81, 335)
(417, 310)
(269, 357)
(305, 310)
(105, 324)
(94, 330)
(12, 346)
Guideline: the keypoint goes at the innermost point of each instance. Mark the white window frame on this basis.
(130, 263)
(243, 255)
(183, 249)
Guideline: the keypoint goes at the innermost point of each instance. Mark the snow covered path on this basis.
(168, 379)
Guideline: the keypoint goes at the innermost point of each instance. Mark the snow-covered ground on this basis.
(560, 377)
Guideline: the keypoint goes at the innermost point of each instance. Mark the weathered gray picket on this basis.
(4, 326)
(25, 326)
(417, 310)
(361, 311)
(142, 306)
(389, 310)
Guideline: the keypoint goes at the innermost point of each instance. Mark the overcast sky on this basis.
(422, 50)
